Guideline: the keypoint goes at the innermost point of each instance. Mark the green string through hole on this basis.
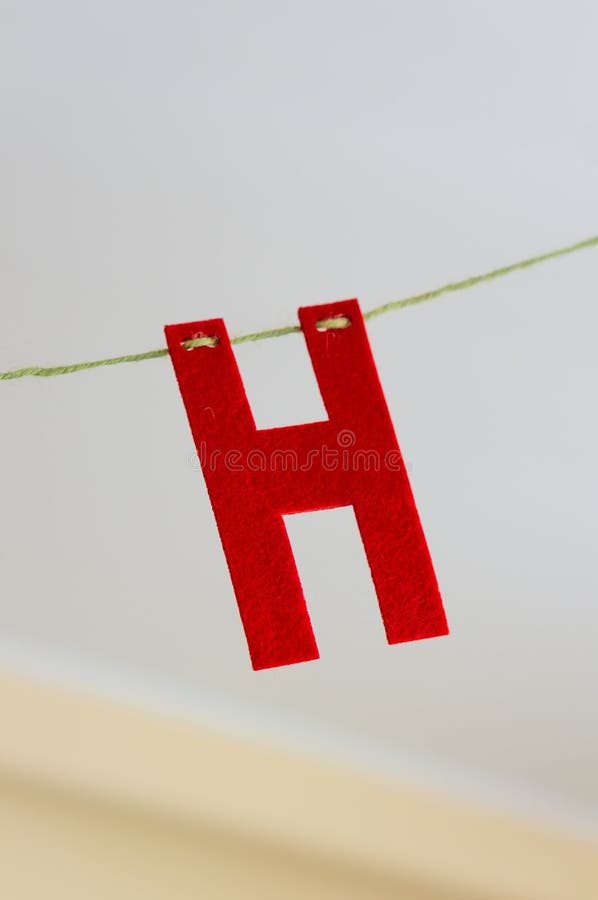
(333, 323)
(203, 340)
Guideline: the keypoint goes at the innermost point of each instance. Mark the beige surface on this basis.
(56, 845)
(123, 803)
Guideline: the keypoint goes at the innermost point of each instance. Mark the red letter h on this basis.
(251, 488)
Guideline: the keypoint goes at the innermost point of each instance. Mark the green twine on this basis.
(449, 288)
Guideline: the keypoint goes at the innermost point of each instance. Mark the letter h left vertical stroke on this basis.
(251, 491)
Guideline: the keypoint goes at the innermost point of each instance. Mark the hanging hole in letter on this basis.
(201, 340)
(334, 323)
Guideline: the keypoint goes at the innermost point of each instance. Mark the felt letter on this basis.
(350, 459)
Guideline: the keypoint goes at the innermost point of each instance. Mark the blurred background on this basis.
(167, 162)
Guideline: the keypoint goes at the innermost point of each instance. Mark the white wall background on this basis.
(162, 162)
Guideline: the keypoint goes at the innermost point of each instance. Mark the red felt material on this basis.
(251, 486)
